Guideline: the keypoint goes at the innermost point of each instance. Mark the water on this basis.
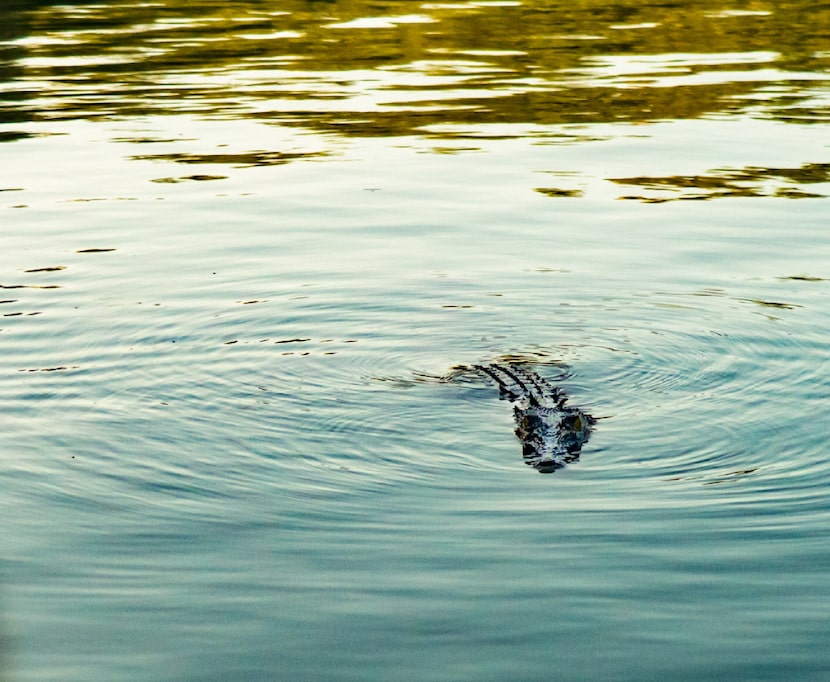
(243, 248)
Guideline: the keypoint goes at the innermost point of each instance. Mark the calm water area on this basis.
(249, 252)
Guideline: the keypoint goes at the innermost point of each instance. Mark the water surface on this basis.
(245, 248)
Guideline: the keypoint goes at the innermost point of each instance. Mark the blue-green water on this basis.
(244, 246)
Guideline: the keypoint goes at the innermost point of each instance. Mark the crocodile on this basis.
(552, 433)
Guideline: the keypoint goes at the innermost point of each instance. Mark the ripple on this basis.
(235, 398)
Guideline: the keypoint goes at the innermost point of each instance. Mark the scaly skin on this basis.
(552, 433)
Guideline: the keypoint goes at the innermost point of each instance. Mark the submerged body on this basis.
(552, 433)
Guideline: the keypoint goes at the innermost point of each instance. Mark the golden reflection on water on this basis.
(725, 182)
(454, 73)
(391, 68)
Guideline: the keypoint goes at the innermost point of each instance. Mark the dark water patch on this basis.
(726, 182)
(53, 268)
(12, 136)
(30, 286)
(51, 369)
(558, 192)
(771, 304)
(152, 140)
(292, 341)
(808, 173)
(186, 178)
(804, 278)
(240, 160)
(794, 193)
(456, 150)
(803, 115)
